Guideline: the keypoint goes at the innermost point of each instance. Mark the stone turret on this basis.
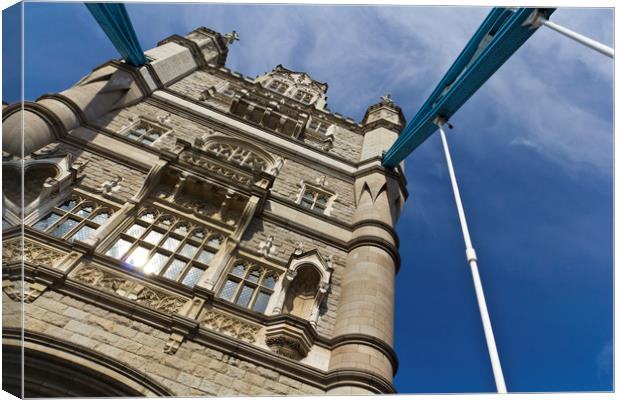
(111, 86)
(365, 319)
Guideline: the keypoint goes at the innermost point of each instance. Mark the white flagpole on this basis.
(537, 18)
(586, 41)
(473, 263)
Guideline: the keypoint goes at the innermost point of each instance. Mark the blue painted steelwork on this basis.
(115, 22)
(500, 35)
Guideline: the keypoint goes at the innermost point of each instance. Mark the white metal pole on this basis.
(471, 259)
(593, 44)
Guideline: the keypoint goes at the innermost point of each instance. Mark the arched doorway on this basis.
(53, 368)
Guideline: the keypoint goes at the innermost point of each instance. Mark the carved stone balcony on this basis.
(290, 336)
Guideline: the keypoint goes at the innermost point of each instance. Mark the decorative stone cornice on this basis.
(123, 286)
(359, 378)
(377, 242)
(165, 102)
(50, 118)
(17, 250)
(203, 161)
(381, 123)
(293, 369)
(370, 341)
(379, 224)
(229, 325)
(385, 103)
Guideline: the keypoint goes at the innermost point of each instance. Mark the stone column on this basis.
(363, 333)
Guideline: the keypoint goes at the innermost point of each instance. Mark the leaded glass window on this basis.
(145, 132)
(161, 244)
(75, 219)
(249, 286)
(314, 200)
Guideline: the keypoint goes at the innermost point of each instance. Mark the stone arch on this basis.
(240, 152)
(302, 292)
(312, 269)
(56, 368)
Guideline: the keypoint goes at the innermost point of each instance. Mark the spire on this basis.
(231, 37)
(385, 113)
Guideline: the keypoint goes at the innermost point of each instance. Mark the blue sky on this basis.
(532, 151)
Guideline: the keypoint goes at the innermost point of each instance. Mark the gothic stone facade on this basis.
(191, 231)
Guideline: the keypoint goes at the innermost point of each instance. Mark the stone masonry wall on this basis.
(195, 83)
(285, 240)
(98, 170)
(347, 144)
(287, 182)
(194, 370)
(183, 128)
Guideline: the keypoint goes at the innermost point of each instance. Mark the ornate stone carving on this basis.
(236, 154)
(266, 247)
(299, 247)
(230, 326)
(128, 288)
(291, 341)
(202, 162)
(387, 99)
(287, 346)
(231, 37)
(47, 174)
(25, 292)
(275, 170)
(173, 343)
(110, 186)
(33, 253)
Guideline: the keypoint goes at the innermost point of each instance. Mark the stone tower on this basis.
(190, 231)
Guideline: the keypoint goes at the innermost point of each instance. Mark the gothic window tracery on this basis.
(249, 285)
(239, 153)
(161, 244)
(76, 218)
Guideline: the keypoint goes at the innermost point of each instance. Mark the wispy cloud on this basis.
(604, 359)
(557, 92)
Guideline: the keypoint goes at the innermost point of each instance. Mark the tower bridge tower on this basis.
(191, 231)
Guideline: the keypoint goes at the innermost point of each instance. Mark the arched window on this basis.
(76, 218)
(159, 243)
(249, 286)
(239, 152)
(302, 292)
